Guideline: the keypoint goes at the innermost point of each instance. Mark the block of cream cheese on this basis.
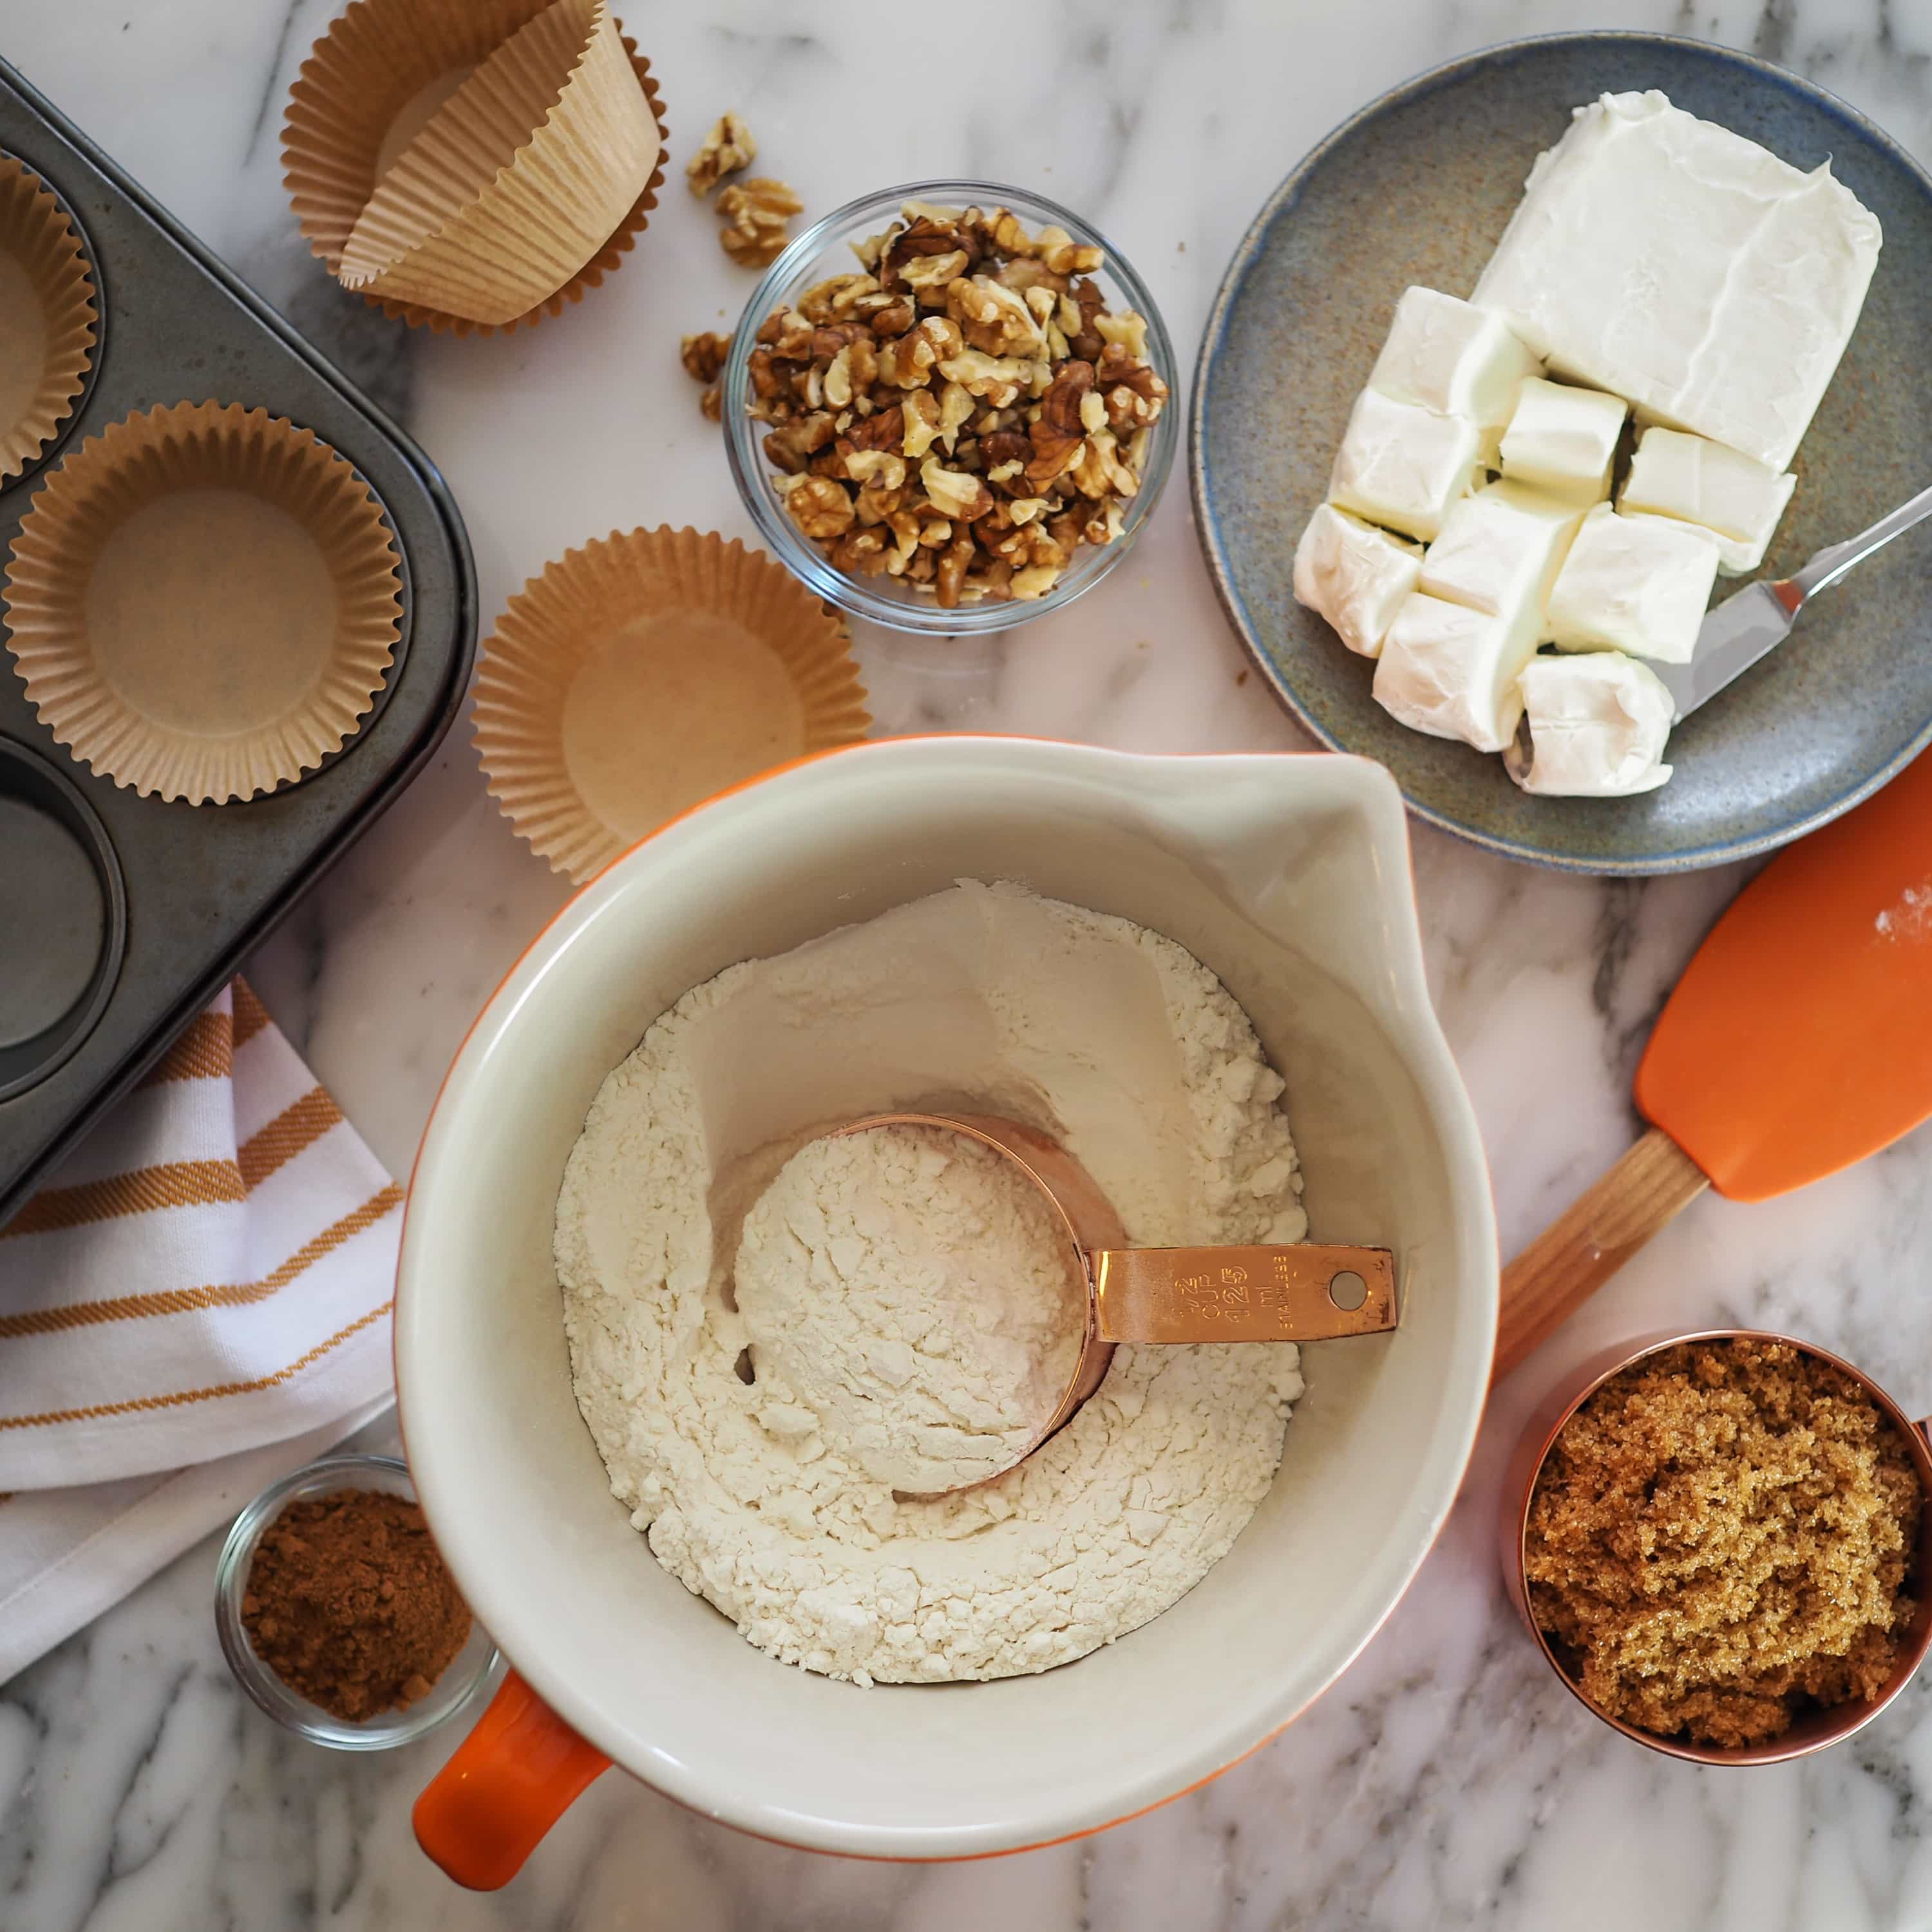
(1598, 726)
(1499, 552)
(1401, 465)
(1640, 584)
(1355, 575)
(1564, 440)
(1701, 482)
(1454, 357)
(1687, 269)
(1453, 672)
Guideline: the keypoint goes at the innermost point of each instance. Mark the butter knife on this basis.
(1738, 632)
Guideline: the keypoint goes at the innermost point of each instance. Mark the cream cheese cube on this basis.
(1453, 672)
(1564, 440)
(1598, 726)
(1354, 575)
(1640, 584)
(1499, 552)
(1687, 269)
(1700, 482)
(1448, 356)
(1401, 465)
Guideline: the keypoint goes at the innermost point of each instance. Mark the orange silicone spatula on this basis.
(1799, 1041)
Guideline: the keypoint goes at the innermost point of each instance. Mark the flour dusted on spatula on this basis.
(914, 1289)
(758, 1495)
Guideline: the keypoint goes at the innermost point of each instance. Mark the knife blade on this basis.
(1738, 632)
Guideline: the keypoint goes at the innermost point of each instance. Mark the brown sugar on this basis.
(1720, 1538)
(348, 1603)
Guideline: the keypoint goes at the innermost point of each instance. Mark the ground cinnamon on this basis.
(348, 1603)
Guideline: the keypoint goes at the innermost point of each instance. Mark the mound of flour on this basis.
(982, 998)
(912, 1288)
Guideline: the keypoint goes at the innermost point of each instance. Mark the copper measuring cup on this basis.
(1298, 1291)
(1816, 1729)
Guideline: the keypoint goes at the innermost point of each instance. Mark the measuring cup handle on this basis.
(510, 1781)
(1293, 1292)
(1580, 1250)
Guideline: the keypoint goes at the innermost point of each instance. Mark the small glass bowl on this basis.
(469, 1670)
(823, 251)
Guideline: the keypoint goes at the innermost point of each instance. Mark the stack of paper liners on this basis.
(203, 601)
(472, 164)
(642, 674)
(47, 317)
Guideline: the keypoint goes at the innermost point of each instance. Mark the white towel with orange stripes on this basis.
(198, 1300)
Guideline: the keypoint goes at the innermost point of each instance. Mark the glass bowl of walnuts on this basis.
(948, 407)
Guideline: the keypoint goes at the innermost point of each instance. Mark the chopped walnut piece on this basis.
(964, 412)
(755, 213)
(1058, 433)
(728, 148)
(1126, 329)
(819, 507)
(954, 493)
(703, 355)
(993, 318)
(711, 402)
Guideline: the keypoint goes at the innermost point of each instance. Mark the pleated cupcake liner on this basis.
(35, 232)
(201, 722)
(525, 188)
(644, 673)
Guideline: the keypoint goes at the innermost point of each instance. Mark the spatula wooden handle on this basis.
(1584, 1246)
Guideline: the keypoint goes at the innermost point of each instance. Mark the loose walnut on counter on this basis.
(728, 148)
(703, 356)
(964, 413)
(755, 213)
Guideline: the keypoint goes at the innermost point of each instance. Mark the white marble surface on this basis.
(1447, 1781)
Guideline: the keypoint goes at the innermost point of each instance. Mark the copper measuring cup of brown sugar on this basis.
(1296, 1291)
(1812, 1731)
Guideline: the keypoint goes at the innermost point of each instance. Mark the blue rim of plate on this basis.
(1213, 342)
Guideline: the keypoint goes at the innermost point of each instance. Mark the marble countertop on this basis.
(1447, 1781)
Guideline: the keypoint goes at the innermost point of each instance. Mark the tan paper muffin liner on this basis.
(38, 241)
(203, 601)
(645, 673)
(535, 214)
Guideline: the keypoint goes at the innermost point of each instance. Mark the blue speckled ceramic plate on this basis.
(1417, 188)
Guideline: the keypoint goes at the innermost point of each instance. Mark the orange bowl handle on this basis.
(511, 1780)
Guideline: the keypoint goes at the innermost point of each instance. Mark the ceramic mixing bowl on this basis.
(1289, 877)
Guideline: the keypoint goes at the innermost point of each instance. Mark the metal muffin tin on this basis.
(120, 916)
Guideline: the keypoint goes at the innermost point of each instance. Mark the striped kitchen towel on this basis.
(199, 1298)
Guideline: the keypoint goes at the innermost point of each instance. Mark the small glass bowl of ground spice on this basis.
(336, 1613)
(1720, 1546)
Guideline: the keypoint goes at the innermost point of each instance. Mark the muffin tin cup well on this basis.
(57, 969)
(371, 87)
(48, 317)
(202, 601)
(129, 910)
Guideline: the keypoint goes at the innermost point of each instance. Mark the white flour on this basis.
(985, 999)
(912, 1289)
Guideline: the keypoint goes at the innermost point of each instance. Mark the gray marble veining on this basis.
(1445, 1782)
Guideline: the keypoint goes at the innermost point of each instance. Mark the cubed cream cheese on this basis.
(1598, 726)
(1640, 584)
(1355, 575)
(1401, 465)
(1448, 356)
(1700, 482)
(1687, 269)
(1564, 440)
(1499, 551)
(1453, 672)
